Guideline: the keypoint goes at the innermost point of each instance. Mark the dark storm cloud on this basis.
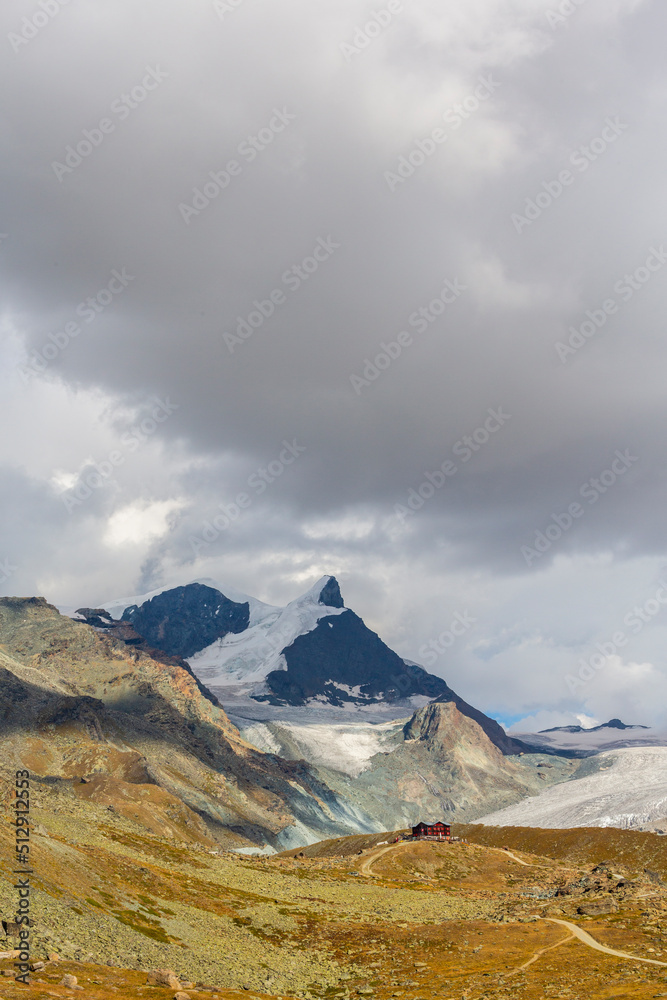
(227, 207)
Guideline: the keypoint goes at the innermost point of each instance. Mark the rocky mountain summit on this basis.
(186, 619)
(315, 650)
(133, 730)
(89, 704)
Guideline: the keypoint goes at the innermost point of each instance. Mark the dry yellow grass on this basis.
(426, 920)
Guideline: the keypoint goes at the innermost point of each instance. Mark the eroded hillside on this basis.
(132, 730)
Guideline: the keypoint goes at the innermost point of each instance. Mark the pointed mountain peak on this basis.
(330, 594)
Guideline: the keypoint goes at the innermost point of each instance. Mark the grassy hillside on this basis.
(624, 850)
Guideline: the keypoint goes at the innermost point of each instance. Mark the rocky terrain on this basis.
(439, 763)
(132, 730)
(137, 915)
(299, 780)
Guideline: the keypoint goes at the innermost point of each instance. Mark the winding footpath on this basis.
(574, 929)
(365, 865)
(592, 943)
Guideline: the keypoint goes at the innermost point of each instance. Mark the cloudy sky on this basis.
(371, 289)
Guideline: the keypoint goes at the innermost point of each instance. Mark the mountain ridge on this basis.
(80, 704)
(313, 649)
(612, 724)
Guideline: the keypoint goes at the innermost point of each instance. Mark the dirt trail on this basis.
(542, 951)
(574, 930)
(592, 943)
(365, 865)
(508, 854)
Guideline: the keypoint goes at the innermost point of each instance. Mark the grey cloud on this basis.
(321, 177)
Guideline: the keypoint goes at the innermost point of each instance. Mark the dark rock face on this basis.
(97, 617)
(330, 594)
(617, 724)
(341, 649)
(186, 619)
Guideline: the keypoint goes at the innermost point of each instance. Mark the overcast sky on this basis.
(371, 289)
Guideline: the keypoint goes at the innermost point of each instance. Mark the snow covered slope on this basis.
(344, 746)
(243, 661)
(624, 788)
(314, 651)
(594, 740)
(240, 662)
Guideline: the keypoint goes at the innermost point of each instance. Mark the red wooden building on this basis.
(436, 831)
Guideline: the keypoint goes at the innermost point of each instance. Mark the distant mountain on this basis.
(310, 685)
(612, 724)
(313, 650)
(341, 660)
(186, 619)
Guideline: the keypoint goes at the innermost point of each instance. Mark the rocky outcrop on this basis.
(330, 594)
(77, 702)
(124, 632)
(186, 619)
(491, 728)
(448, 768)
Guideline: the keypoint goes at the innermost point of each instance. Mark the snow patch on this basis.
(347, 747)
(627, 791)
(595, 742)
(246, 658)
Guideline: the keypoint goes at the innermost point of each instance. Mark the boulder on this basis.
(166, 977)
(597, 907)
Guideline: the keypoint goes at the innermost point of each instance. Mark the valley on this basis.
(191, 842)
(350, 917)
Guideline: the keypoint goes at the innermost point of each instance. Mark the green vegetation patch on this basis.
(144, 925)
